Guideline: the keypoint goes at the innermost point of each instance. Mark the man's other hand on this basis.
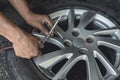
(28, 46)
(38, 21)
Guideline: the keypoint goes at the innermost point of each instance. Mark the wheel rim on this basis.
(88, 37)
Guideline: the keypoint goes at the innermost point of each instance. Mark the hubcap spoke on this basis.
(59, 30)
(108, 42)
(106, 32)
(111, 70)
(93, 70)
(48, 60)
(86, 19)
(68, 65)
(57, 41)
(71, 19)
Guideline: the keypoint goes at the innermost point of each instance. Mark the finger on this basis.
(47, 26)
(27, 57)
(31, 55)
(49, 22)
(17, 53)
(40, 45)
(43, 29)
(38, 53)
(50, 27)
(35, 55)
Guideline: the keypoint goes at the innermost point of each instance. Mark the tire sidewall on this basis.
(22, 69)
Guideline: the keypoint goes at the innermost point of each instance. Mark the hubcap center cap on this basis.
(78, 42)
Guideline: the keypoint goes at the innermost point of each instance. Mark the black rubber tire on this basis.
(22, 69)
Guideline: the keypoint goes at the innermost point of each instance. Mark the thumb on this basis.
(40, 44)
(43, 29)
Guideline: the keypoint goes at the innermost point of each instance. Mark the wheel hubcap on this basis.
(82, 35)
(79, 43)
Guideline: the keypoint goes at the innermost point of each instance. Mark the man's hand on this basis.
(25, 45)
(28, 46)
(38, 21)
(31, 18)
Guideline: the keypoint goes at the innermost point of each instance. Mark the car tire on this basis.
(23, 69)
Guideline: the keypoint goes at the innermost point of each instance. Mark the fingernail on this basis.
(40, 53)
(42, 46)
(46, 33)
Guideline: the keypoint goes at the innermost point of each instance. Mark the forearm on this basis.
(9, 29)
(21, 6)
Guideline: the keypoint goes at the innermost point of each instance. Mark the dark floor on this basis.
(3, 67)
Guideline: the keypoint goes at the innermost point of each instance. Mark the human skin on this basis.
(24, 44)
(35, 20)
